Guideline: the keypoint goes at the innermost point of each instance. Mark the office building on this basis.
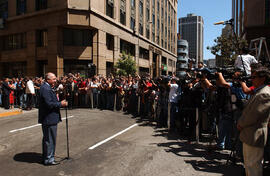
(65, 36)
(191, 29)
(252, 19)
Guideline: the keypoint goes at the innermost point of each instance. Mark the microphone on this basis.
(220, 22)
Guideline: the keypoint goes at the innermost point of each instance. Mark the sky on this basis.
(212, 11)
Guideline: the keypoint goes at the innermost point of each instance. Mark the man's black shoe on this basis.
(52, 163)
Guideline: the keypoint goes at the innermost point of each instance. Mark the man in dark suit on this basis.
(49, 116)
(6, 91)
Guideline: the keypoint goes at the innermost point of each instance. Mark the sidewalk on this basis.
(10, 112)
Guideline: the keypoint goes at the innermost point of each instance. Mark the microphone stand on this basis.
(67, 135)
(67, 158)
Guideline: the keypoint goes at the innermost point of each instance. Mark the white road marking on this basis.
(106, 140)
(32, 126)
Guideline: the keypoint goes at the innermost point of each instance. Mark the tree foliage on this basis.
(126, 65)
(227, 47)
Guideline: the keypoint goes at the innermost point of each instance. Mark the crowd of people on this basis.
(170, 102)
(132, 94)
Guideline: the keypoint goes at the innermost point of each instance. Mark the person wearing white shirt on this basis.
(30, 91)
(94, 86)
(244, 61)
(173, 100)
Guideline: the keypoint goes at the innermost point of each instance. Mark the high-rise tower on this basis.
(191, 29)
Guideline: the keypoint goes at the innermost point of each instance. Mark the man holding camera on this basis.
(49, 116)
(227, 112)
(253, 123)
(244, 61)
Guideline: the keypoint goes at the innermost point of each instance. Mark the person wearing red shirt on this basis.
(82, 92)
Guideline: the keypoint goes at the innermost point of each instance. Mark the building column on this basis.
(31, 53)
(55, 61)
(151, 63)
(116, 50)
(158, 66)
(167, 64)
(137, 54)
(99, 47)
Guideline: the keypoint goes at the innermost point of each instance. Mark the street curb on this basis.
(5, 114)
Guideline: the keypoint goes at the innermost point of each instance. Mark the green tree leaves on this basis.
(126, 65)
(228, 47)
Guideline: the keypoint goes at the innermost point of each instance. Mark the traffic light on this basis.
(92, 70)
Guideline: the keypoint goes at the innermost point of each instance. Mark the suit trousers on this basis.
(253, 157)
(6, 102)
(29, 101)
(48, 142)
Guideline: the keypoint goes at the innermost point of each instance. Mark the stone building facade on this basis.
(63, 36)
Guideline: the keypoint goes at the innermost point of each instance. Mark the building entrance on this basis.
(77, 66)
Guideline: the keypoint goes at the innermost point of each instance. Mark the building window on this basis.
(144, 53)
(122, 17)
(141, 21)
(170, 62)
(127, 47)
(147, 33)
(147, 15)
(141, 8)
(132, 23)
(42, 38)
(4, 9)
(21, 7)
(109, 41)
(41, 4)
(13, 42)
(132, 3)
(132, 14)
(76, 37)
(164, 60)
(109, 8)
(141, 29)
(123, 12)
(158, 7)
(158, 23)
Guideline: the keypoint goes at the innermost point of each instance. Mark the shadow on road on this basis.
(200, 156)
(28, 157)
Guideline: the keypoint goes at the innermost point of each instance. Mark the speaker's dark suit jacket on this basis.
(6, 89)
(49, 107)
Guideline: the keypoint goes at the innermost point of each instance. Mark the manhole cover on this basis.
(2, 147)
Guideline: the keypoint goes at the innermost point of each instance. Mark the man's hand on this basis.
(64, 103)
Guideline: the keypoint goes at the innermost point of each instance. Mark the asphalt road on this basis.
(139, 150)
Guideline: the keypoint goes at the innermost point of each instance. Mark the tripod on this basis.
(233, 152)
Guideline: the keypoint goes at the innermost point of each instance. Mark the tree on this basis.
(126, 65)
(227, 47)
